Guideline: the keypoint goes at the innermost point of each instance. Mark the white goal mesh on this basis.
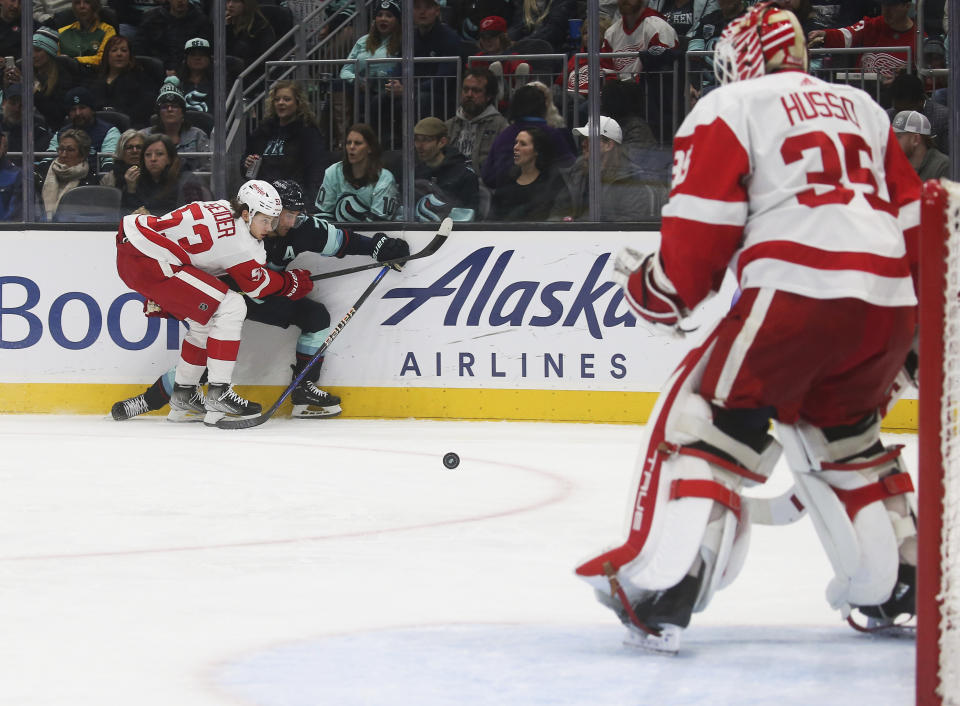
(938, 649)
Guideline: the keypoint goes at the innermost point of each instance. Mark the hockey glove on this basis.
(296, 284)
(387, 248)
(647, 289)
(152, 309)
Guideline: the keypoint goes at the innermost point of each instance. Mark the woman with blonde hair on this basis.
(249, 34)
(288, 144)
(69, 170)
(544, 19)
(127, 156)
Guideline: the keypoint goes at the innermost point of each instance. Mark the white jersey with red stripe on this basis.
(797, 185)
(205, 235)
(651, 33)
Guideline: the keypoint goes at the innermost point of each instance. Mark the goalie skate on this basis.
(186, 404)
(666, 643)
(310, 401)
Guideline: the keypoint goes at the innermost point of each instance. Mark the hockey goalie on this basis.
(800, 188)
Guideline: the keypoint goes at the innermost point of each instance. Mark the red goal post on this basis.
(938, 570)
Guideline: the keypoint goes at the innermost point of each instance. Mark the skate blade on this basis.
(667, 643)
(304, 411)
(212, 417)
(184, 415)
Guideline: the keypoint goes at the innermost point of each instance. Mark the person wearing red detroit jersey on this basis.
(801, 189)
(175, 260)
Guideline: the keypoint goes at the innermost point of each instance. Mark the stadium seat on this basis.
(89, 204)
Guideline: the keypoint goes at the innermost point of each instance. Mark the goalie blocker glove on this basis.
(647, 288)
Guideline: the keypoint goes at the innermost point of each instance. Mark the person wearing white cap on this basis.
(623, 195)
(196, 75)
(913, 133)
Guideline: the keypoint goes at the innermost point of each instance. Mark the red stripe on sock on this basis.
(192, 354)
(222, 350)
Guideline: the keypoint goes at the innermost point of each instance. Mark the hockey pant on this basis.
(212, 311)
(775, 355)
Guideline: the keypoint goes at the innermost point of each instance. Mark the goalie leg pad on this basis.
(856, 493)
(686, 518)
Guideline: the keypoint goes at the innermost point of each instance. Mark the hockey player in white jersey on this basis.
(175, 261)
(800, 188)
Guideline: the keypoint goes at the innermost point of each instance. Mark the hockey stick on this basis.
(442, 232)
(264, 416)
(439, 239)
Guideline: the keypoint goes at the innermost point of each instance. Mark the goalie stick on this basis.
(225, 423)
(442, 232)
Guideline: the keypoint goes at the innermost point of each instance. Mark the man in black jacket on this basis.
(444, 184)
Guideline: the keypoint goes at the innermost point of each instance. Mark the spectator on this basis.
(85, 38)
(893, 28)
(705, 38)
(196, 75)
(469, 14)
(623, 195)
(160, 183)
(383, 40)
(642, 30)
(12, 124)
(444, 183)
(477, 121)
(553, 117)
(69, 170)
(11, 185)
(10, 29)
(101, 136)
(336, 13)
(492, 38)
(288, 143)
(44, 10)
(170, 121)
(50, 83)
(164, 31)
(131, 13)
(913, 133)
(249, 34)
(527, 109)
(122, 85)
(685, 16)
(436, 82)
(544, 19)
(577, 74)
(128, 154)
(359, 188)
(529, 192)
(906, 93)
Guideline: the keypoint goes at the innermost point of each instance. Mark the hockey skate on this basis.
(186, 404)
(223, 401)
(310, 401)
(893, 617)
(128, 409)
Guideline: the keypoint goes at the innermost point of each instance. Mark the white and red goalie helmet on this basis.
(766, 38)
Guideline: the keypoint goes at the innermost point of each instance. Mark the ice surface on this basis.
(312, 562)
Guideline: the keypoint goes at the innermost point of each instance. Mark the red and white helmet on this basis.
(765, 39)
(260, 197)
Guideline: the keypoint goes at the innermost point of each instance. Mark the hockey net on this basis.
(938, 589)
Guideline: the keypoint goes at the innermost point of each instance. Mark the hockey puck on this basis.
(451, 460)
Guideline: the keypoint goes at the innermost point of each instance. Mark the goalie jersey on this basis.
(800, 186)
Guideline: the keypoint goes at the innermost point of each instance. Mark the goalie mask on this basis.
(767, 38)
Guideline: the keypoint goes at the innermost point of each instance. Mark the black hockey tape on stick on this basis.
(442, 233)
(226, 423)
